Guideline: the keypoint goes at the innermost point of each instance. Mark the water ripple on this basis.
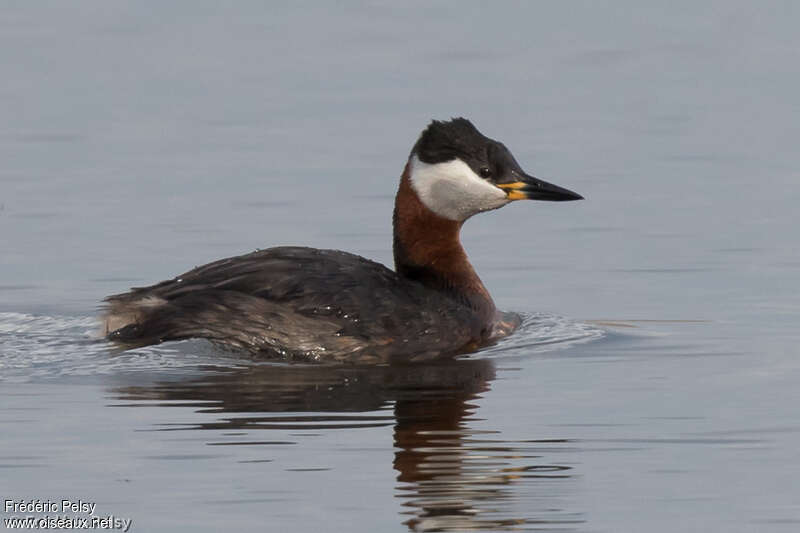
(34, 347)
(543, 332)
(38, 347)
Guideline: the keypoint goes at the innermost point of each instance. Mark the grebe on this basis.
(308, 304)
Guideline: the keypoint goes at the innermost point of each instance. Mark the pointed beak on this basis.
(529, 188)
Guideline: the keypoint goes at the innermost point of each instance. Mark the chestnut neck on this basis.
(427, 249)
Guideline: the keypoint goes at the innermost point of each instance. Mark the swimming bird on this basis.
(298, 303)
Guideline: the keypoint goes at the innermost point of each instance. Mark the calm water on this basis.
(654, 386)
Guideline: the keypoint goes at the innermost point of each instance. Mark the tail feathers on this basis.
(126, 309)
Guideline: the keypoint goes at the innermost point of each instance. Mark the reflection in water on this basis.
(451, 476)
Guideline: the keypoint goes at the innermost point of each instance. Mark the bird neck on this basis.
(427, 249)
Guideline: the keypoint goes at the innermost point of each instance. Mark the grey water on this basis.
(654, 385)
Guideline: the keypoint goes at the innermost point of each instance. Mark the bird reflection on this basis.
(452, 476)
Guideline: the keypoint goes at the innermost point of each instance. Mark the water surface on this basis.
(654, 385)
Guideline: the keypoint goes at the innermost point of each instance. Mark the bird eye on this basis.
(485, 172)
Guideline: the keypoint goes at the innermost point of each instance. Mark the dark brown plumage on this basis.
(297, 303)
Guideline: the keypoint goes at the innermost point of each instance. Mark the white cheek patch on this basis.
(452, 190)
